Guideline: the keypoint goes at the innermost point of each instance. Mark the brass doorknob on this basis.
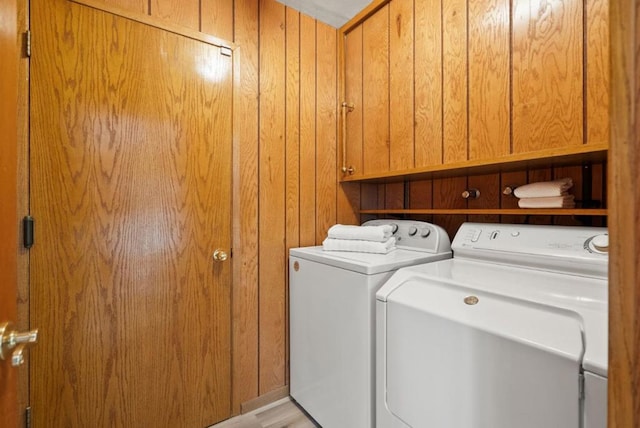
(220, 255)
(10, 339)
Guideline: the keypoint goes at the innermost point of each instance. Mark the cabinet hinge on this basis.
(226, 51)
(28, 231)
(27, 43)
(27, 417)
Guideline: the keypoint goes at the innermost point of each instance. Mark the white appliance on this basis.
(332, 321)
(510, 332)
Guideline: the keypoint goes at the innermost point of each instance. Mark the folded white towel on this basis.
(551, 202)
(544, 189)
(364, 233)
(331, 244)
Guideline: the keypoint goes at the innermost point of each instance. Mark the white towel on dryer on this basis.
(358, 246)
(363, 233)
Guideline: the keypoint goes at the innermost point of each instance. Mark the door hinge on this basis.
(27, 43)
(226, 51)
(28, 231)
(27, 417)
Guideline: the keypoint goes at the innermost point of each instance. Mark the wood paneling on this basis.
(489, 187)
(447, 193)
(624, 227)
(272, 232)
(547, 61)
(454, 68)
(326, 126)
(428, 82)
(375, 99)
(184, 12)
(597, 77)
(8, 187)
(489, 71)
(245, 258)
(401, 99)
(138, 6)
(353, 95)
(132, 312)
(216, 18)
(308, 130)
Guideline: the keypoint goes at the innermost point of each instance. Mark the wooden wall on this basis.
(445, 82)
(286, 190)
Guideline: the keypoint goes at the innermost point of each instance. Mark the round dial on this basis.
(394, 228)
(600, 243)
(413, 230)
(425, 232)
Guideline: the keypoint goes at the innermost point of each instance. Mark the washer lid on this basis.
(587, 297)
(366, 263)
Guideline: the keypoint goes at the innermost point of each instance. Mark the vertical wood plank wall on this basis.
(287, 194)
(489, 79)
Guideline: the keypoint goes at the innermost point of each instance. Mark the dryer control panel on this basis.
(576, 250)
(416, 235)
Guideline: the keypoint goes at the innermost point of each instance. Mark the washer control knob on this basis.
(600, 243)
(394, 228)
(425, 232)
(413, 230)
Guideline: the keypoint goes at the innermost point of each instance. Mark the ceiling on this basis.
(333, 12)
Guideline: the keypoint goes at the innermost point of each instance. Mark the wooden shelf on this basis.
(543, 158)
(515, 211)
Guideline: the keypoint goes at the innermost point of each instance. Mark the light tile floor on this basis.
(281, 414)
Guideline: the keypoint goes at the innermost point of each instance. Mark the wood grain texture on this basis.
(292, 126)
(597, 72)
(375, 102)
(624, 228)
(455, 91)
(139, 6)
(8, 186)
(394, 195)
(308, 130)
(184, 12)
(326, 129)
(509, 201)
(401, 94)
(272, 250)
(22, 320)
(245, 279)
(489, 71)
(489, 187)
(132, 312)
(446, 194)
(420, 194)
(547, 61)
(292, 151)
(216, 18)
(428, 82)
(353, 64)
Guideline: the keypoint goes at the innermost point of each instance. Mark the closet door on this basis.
(130, 191)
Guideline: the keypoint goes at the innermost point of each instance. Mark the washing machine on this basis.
(510, 332)
(332, 321)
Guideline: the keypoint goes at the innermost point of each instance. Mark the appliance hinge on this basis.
(27, 417)
(581, 392)
(27, 43)
(28, 231)
(226, 51)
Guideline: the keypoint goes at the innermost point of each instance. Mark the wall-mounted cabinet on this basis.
(446, 95)
(437, 84)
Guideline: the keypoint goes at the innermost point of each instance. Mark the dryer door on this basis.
(457, 357)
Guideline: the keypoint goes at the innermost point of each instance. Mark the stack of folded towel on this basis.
(362, 239)
(546, 194)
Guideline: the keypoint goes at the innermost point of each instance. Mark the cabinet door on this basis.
(547, 73)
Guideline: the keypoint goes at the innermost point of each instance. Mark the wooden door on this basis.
(8, 227)
(130, 191)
